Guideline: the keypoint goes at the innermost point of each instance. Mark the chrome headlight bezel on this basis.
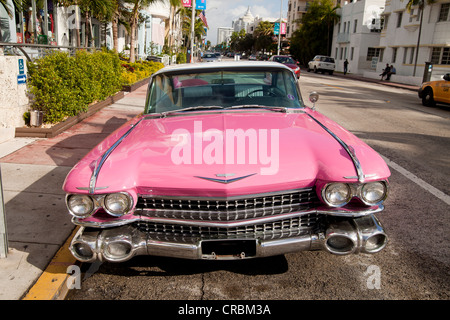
(357, 190)
(126, 207)
(99, 201)
(383, 191)
(70, 198)
(338, 187)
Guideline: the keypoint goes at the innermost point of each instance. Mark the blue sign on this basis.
(21, 67)
(200, 4)
(21, 79)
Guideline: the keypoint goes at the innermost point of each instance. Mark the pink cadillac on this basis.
(227, 162)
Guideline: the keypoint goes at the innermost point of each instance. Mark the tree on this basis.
(174, 4)
(136, 6)
(330, 17)
(316, 24)
(421, 4)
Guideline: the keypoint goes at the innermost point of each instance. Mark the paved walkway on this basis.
(38, 225)
(33, 172)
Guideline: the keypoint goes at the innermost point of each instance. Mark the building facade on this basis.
(296, 10)
(46, 23)
(373, 33)
(356, 37)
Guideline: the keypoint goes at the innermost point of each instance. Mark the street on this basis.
(415, 264)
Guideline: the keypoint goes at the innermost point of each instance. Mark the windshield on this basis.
(285, 60)
(272, 88)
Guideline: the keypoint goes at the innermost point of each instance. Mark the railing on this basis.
(33, 51)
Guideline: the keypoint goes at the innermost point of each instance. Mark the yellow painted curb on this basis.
(51, 285)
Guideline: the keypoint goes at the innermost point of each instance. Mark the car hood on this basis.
(224, 154)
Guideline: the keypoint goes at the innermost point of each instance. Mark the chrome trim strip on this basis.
(337, 212)
(225, 180)
(253, 195)
(103, 158)
(351, 153)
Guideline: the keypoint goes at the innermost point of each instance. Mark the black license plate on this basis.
(238, 248)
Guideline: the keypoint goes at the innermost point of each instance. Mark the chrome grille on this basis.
(226, 209)
(270, 230)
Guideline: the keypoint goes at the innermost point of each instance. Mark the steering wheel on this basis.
(270, 93)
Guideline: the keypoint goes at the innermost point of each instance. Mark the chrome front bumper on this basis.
(345, 236)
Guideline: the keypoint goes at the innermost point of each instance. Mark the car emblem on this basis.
(225, 180)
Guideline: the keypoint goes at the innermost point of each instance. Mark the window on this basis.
(440, 56)
(411, 56)
(399, 19)
(394, 55)
(405, 53)
(374, 52)
(355, 25)
(352, 51)
(443, 15)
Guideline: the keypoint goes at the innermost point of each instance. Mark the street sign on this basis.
(21, 66)
(200, 5)
(187, 3)
(21, 79)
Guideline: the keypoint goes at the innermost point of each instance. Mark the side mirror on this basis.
(313, 97)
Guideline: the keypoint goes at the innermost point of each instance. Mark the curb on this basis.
(52, 284)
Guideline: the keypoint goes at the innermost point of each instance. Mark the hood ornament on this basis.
(226, 181)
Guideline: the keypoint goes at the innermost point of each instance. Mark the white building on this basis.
(399, 39)
(356, 36)
(296, 10)
(224, 34)
(373, 33)
(243, 22)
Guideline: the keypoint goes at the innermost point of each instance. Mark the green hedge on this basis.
(64, 86)
(133, 72)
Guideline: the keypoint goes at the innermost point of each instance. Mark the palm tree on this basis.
(174, 4)
(330, 17)
(421, 4)
(137, 5)
(99, 9)
(17, 5)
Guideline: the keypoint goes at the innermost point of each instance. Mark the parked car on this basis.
(154, 58)
(210, 57)
(288, 61)
(322, 64)
(435, 91)
(227, 162)
(252, 57)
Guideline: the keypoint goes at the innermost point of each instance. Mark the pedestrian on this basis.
(391, 72)
(385, 71)
(345, 66)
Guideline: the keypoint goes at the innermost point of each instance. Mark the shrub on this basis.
(133, 72)
(64, 86)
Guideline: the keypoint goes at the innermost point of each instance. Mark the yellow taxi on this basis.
(435, 91)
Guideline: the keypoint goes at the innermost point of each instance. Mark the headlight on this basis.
(117, 204)
(373, 192)
(337, 194)
(80, 205)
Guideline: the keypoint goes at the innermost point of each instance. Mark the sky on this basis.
(221, 13)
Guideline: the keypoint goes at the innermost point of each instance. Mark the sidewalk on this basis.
(38, 225)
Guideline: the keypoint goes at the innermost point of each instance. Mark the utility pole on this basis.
(279, 31)
(192, 30)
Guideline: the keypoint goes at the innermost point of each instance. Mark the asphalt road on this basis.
(415, 264)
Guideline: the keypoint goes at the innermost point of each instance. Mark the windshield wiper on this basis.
(245, 106)
(164, 114)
